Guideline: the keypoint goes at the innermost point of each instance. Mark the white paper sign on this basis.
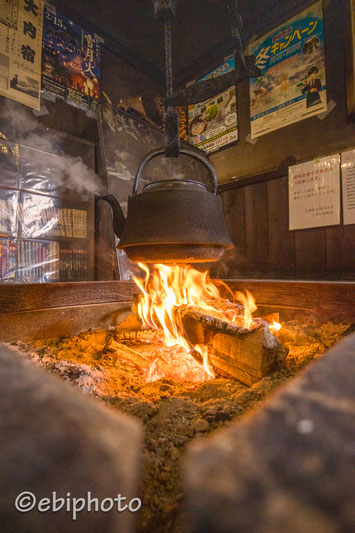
(348, 183)
(21, 23)
(314, 193)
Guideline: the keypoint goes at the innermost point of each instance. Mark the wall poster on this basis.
(348, 186)
(292, 86)
(21, 24)
(70, 61)
(314, 193)
(214, 123)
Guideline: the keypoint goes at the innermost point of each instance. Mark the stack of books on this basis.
(37, 261)
(53, 222)
(8, 259)
(73, 264)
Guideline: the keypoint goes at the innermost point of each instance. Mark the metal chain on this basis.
(236, 28)
(168, 57)
(165, 12)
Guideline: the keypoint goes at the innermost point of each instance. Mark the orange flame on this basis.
(275, 327)
(168, 289)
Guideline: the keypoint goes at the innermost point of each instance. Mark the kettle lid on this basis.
(166, 185)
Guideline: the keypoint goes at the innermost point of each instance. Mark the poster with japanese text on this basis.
(314, 193)
(70, 61)
(21, 24)
(292, 85)
(213, 123)
(348, 186)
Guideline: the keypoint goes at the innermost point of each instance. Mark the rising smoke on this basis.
(46, 155)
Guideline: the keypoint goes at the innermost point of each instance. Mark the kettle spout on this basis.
(118, 217)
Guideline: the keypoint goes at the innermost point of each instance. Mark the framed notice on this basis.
(70, 61)
(314, 193)
(292, 85)
(348, 186)
(21, 24)
(213, 124)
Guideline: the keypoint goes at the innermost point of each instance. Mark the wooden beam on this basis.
(25, 297)
(333, 298)
(60, 322)
(309, 295)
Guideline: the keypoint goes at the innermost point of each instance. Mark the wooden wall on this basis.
(256, 202)
(257, 218)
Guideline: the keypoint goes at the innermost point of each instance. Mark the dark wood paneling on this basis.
(336, 252)
(350, 250)
(310, 254)
(256, 229)
(233, 205)
(258, 225)
(281, 241)
(22, 297)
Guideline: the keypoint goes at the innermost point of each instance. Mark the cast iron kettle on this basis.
(173, 221)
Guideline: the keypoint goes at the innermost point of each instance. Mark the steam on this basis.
(128, 141)
(46, 155)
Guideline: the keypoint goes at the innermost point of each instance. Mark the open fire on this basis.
(168, 292)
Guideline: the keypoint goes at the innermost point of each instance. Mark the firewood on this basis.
(143, 335)
(234, 351)
(128, 353)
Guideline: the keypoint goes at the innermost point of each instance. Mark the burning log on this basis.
(136, 335)
(234, 351)
(128, 353)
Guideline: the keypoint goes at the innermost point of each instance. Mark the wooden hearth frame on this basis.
(38, 311)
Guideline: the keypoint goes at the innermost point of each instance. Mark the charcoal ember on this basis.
(201, 426)
(53, 438)
(210, 415)
(223, 413)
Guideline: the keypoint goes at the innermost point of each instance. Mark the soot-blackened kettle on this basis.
(172, 221)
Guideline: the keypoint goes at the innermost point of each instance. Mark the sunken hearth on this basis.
(185, 372)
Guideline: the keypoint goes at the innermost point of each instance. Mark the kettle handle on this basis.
(184, 151)
(118, 217)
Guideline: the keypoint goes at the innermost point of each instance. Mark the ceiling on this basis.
(201, 37)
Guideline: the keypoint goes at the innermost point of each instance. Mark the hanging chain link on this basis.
(165, 13)
(236, 28)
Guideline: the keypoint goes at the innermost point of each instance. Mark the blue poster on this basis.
(213, 124)
(292, 85)
(70, 61)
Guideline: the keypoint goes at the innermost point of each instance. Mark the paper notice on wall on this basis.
(314, 193)
(348, 185)
(21, 23)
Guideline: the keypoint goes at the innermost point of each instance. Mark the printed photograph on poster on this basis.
(213, 124)
(70, 61)
(348, 186)
(21, 24)
(292, 86)
(314, 193)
